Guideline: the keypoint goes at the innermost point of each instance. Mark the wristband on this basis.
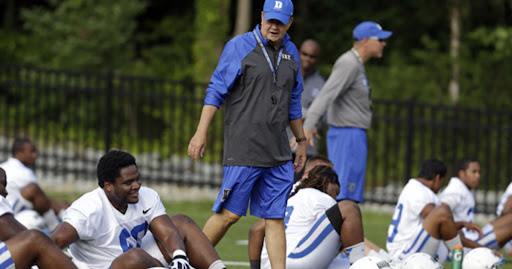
(301, 139)
(179, 254)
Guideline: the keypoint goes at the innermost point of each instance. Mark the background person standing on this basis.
(346, 98)
(313, 82)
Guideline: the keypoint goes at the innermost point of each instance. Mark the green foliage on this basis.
(211, 30)
(486, 68)
(169, 59)
(82, 34)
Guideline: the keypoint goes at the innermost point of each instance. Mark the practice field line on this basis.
(237, 263)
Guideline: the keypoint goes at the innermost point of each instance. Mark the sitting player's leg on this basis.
(497, 233)
(32, 246)
(200, 251)
(503, 229)
(135, 258)
(352, 235)
(440, 225)
(256, 238)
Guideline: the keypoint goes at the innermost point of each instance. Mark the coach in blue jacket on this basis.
(258, 78)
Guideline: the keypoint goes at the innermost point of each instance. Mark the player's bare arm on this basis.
(197, 144)
(64, 235)
(469, 226)
(9, 227)
(33, 193)
(164, 230)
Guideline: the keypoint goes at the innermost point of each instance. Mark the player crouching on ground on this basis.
(317, 226)
(420, 222)
(22, 248)
(119, 224)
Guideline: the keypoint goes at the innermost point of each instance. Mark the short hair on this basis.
(19, 144)
(318, 178)
(464, 163)
(110, 165)
(431, 168)
(319, 159)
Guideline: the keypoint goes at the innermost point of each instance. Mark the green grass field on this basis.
(233, 247)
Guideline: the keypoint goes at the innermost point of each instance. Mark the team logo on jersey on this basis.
(286, 57)
(279, 5)
(146, 211)
(225, 194)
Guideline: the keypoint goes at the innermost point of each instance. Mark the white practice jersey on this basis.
(5, 206)
(407, 216)
(302, 211)
(18, 176)
(104, 232)
(460, 199)
(504, 198)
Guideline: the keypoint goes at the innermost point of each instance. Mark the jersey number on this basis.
(125, 235)
(394, 223)
(289, 210)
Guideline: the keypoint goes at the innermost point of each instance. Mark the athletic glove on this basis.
(179, 260)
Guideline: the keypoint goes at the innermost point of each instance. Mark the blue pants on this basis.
(347, 149)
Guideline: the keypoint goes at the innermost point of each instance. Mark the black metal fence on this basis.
(75, 117)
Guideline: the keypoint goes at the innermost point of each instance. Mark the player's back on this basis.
(407, 216)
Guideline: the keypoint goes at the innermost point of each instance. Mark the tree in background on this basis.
(82, 34)
(182, 40)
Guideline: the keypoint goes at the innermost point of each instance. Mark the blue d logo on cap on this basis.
(279, 10)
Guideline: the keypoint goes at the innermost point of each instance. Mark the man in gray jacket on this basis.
(346, 98)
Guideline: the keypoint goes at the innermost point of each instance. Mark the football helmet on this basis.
(370, 262)
(420, 260)
(482, 258)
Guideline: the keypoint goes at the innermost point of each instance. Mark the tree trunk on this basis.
(454, 51)
(243, 17)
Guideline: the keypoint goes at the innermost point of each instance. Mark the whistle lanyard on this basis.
(267, 57)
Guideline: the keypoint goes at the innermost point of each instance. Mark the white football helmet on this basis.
(482, 258)
(370, 262)
(420, 260)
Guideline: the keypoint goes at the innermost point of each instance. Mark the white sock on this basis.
(450, 244)
(355, 252)
(218, 264)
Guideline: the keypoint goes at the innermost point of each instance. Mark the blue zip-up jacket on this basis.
(257, 110)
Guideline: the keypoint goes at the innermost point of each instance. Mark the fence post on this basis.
(109, 76)
(409, 138)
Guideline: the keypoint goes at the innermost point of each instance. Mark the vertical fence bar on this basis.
(109, 76)
(408, 136)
